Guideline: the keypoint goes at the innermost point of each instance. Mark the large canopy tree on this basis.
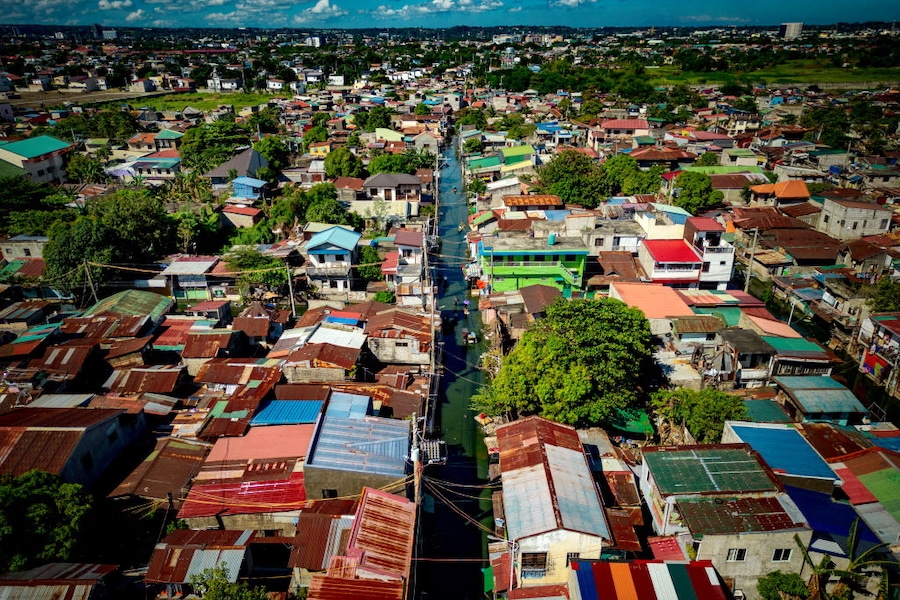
(703, 412)
(578, 365)
(575, 177)
(40, 519)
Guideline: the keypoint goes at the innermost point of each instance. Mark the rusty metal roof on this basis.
(56, 418)
(252, 326)
(706, 516)
(169, 468)
(22, 450)
(185, 553)
(72, 581)
(399, 323)
(319, 537)
(105, 326)
(832, 441)
(324, 355)
(67, 360)
(521, 441)
(324, 587)
(160, 379)
(383, 535)
(302, 391)
(235, 371)
(207, 344)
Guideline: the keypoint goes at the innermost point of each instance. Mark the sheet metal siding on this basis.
(209, 559)
(528, 503)
(579, 504)
(286, 412)
(786, 450)
(348, 406)
(662, 582)
(384, 531)
(370, 445)
(46, 592)
(828, 401)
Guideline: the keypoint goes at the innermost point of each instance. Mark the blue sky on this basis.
(439, 13)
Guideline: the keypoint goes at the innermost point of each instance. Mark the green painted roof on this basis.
(10, 170)
(711, 470)
(516, 159)
(731, 314)
(169, 134)
(885, 486)
(484, 162)
(36, 146)
(765, 411)
(10, 269)
(739, 152)
(524, 150)
(792, 344)
(132, 303)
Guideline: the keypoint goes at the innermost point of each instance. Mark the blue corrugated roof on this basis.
(335, 236)
(288, 412)
(348, 406)
(830, 519)
(828, 401)
(370, 445)
(801, 382)
(250, 181)
(784, 449)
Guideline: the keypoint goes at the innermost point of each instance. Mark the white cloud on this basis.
(570, 3)
(320, 11)
(135, 15)
(515, 9)
(113, 4)
(49, 6)
(232, 17)
(712, 19)
(410, 11)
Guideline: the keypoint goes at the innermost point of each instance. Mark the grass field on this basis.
(799, 71)
(204, 100)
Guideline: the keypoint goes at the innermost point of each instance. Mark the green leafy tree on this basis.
(422, 109)
(389, 163)
(255, 269)
(264, 121)
(214, 584)
(188, 187)
(472, 145)
(643, 182)
(314, 135)
(616, 170)
(341, 162)
(579, 364)
(782, 586)
(574, 177)
(375, 118)
(472, 116)
(370, 264)
(708, 159)
(884, 296)
(19, 194)
(704, 413)
(209, 145)
(275, 152)
(84, 169)
(385, 297)
(695, 192)
(41, 519)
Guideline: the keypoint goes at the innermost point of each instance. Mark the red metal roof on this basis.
(172, 558)
(666, 548)
(25, 450)
(240, 496)
(521, 442)
(324, 587)
(671, 251)
(169, 468)
(206, 344)
(157, 379)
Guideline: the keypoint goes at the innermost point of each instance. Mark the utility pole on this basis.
(87, 272)
(750, 260)
(416, 459)
(291, 289)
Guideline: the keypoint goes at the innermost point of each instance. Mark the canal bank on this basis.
(456, 494)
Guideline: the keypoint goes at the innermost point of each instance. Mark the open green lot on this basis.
(202, 100)
(798, 71)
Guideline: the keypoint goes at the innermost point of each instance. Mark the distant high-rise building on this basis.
(110, 34)
(790, 31)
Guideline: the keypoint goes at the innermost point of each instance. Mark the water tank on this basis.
(551, 239)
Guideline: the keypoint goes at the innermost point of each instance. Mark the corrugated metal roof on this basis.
(53, 581)
(833, 441)
(799, 382)
(343, 405)
(186, 553)
(647, 580)
(324, 587)
(284, 412)
(383, 535)
(369, 445)
(719, 468)
(190, 267)
(169, 468)
(784, 449)
(814, 402)
(706, 516)
(319, 537)
(133, 303)
(265, 443)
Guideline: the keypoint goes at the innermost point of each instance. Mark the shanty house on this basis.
(330, 256)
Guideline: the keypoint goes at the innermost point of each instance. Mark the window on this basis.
(781, 555)
(854, 225)
(736, 554)
(402, 344)
(571, 556)
(706, 267)
(87, 462)
(534, 565)
(598, 243)
(884, 224)
(827, 218)
(27, 251)
(329, 493)
(722, 263)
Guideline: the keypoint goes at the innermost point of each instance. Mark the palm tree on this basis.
(852, 578)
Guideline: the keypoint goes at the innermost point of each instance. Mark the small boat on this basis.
(469, 337)
(454, 189)
(462, 226)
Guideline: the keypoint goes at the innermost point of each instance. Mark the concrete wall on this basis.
(100, 446)
(391, 351)
(758, 560)
(557, 545)
(298, 374)
(283, 522)
(346, 483)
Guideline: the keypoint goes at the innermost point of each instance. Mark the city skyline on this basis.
(341, 14)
